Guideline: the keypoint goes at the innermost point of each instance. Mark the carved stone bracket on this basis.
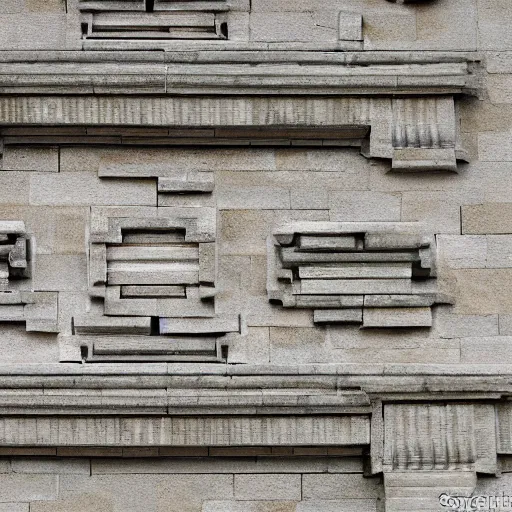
(433, 451)
(372, 274)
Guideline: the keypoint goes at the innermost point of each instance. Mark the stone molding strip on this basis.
(234, 78)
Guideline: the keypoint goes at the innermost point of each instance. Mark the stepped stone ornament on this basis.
(13, 252)
(155, 274)
(372, 274)
(18, 303)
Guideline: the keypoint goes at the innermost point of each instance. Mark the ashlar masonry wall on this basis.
(255, 256)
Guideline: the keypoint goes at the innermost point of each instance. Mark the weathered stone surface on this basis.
(487, 219)
(268, 487)
(150, 164)
(249, 506)
(82, 503)
(397, 317)
(31, 159)
(87, 189)
(49, 466)
(28, 487)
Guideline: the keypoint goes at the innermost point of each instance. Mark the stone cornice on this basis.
(238, 405)
(84, 73)
(407, 380)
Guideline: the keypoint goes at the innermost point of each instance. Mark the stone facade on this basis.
(255, 255)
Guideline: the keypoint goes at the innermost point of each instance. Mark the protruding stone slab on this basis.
(216, 325)
(342, 316)
(397, 317)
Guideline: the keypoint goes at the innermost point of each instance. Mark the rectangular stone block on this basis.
(461, 326)
(27, 158)
(202, 182)
(483, 291)
(49, 466)
(79, 503)
(329, 243)
(31, 31)
(493, 350)
(494, 18)
(392, 241)
(499, 251)
(499, 89)
(207, 263)
(354, 286)
(439, 212)
(297, 27)
(494, 146)
(61, 272)
(397, 317)
(395, 301)
(268, 487)
(505, 325)
(358, 271)
(219, 324)
(292, 258)
(14, 188)
(351, 26)
(328, 316)
(337, 487)
(364, 206)
(85, 188)
(310, 198)
(489, 218)
(458, 251)
(96, 324)
(419, 159)
(359, 505)
(252, 198)
(25, 487)
(139, 346)
(153, 291)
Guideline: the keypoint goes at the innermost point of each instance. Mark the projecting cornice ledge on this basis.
(261, 73)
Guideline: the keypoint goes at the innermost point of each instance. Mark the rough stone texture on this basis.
(149, 149)
(268, 487)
